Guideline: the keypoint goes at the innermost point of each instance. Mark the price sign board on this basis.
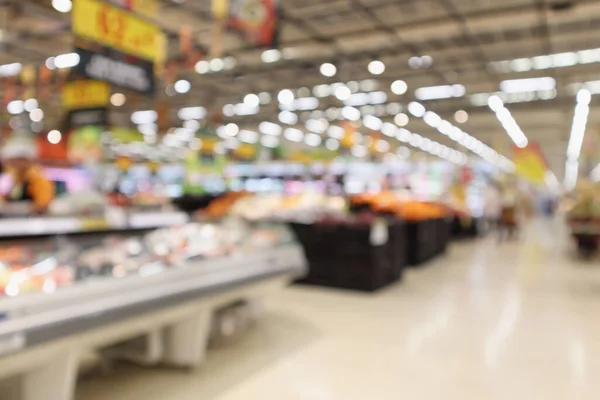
(119, 69)
(113, 27)
(82, 94)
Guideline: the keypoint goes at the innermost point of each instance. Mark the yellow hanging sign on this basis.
(85, 94)
(116, 28)
(530, 164)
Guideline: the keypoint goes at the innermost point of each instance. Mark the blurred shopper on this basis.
(492, 207)
(28, 183)
(509, 203)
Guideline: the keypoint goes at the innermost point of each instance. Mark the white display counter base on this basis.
(176, 334)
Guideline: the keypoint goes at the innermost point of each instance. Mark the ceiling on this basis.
(464, 38)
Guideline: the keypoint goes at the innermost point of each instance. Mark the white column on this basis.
(186, 340)
(53, 380)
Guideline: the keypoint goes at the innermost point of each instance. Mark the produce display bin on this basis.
(459, 230)
(342, 254)
(426, 239)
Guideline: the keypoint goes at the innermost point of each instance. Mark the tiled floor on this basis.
(517, 320)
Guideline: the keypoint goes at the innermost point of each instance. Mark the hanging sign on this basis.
(113, 27)
(257, 19)
(86, 117)
(85, 94)
(530, 163)
(147, 8)
(117, 68)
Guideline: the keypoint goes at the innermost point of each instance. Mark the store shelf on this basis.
(40, 226)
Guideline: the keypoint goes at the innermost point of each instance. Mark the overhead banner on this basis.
(530, 163)
(113, 27)
(117, 68)
(257, 19)
(82, 94)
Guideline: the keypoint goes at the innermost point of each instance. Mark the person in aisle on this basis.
(509, 203)
(29, 186)
(492, 207)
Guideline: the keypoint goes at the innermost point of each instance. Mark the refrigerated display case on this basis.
(64, 297)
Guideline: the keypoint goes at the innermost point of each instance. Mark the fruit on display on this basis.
(221, 206)
(389, 203)
(587, 202)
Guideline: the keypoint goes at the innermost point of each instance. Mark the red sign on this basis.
(258, 19)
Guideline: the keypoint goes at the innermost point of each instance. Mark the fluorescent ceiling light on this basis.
(247, 136)
(216, 64)
(144, 117)
(376, 67)
(251, 100)
(15, 107)
(350, 113)
(312, 139)
(571, 174)
(332, 144)
(202, 67)
(432, 119)
(399, 87)
(302, 104)
(188, 113)
(336, 132)
(181, 86)
(416, 109)
(372, 122)
(528, 85)
(440, 92)
(580, 119)
(293, 135)
(270, 56)
(508, 122)
(288, 117)
(269, 128)
(63, 6)
(10, 69)
(557, 60)
(68, 60)
(328, 70)
(317, 125)
(285, 96)
(244, 109)
(269, 141)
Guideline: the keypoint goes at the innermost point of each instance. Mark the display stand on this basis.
(344, 255)
(426, 239)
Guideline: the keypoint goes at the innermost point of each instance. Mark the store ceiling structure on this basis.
(466, 40)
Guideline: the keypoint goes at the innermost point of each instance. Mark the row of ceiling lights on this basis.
(460, 137)
(580, 117)
(558, 60)
(508, 122)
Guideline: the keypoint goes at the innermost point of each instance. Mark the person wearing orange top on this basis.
(28, 182)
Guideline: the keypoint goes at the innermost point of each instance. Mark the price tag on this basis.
(379, 232)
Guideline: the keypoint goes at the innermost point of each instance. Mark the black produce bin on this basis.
(426, 239)
(460, 231)
(341, 255)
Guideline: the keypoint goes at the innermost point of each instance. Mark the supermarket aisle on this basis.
(516, 320)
